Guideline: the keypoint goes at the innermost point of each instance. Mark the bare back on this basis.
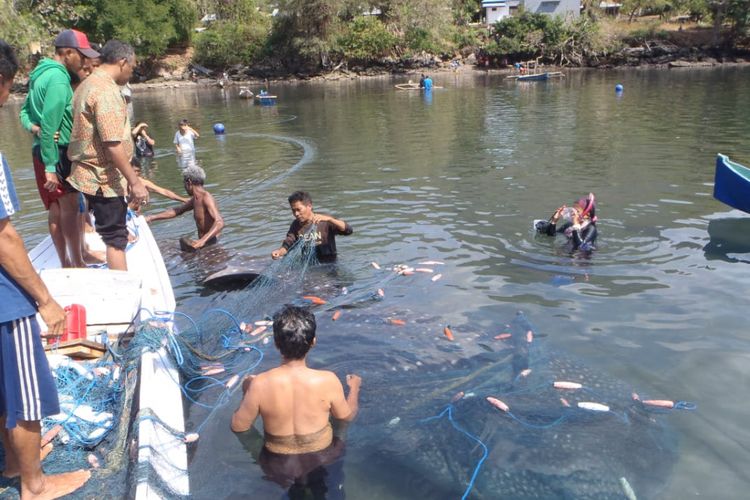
(203, 208)
(298, 401)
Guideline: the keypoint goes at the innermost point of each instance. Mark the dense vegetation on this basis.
(314, 35)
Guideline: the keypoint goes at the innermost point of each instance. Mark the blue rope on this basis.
(485, 453)
(685, 405)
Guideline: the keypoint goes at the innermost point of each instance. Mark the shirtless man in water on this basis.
(208, 220)
(296, 403)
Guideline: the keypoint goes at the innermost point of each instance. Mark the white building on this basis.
(496, 10)
(565, 8)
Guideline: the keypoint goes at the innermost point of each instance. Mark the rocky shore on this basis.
(651, 53)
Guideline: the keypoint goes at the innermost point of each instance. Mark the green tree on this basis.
(239, 37)
(365, 38)
(422, 25)
(19, 29)
(696, 9)
(303, 32)
(151, 26)
(738, 12)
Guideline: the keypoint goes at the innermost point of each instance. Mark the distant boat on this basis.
(246, 93)
(265, 99)
(413, 86)
(732, 183)
(533, 78)
(531, 72)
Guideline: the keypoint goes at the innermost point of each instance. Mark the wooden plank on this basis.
(78, 349)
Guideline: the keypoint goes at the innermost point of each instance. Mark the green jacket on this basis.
(49, 105)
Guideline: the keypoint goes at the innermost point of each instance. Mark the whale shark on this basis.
(432, 433)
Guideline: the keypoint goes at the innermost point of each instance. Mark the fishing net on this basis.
(425, 427)
(556, 429)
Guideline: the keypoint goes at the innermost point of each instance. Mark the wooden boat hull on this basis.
(732, 183)
(414, 86)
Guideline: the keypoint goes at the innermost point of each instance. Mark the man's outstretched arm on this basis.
(171, 213)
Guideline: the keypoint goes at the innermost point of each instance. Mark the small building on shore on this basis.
(564, 8)
(497, 10)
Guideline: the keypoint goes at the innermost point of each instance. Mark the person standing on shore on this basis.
(28, 391)
(47, 114)
(101, 146)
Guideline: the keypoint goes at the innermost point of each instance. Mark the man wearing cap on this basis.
(45, 113)
(101, 146)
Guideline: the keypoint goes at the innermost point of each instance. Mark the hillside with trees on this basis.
(273, 38)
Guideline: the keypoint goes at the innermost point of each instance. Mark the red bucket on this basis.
(75, 323)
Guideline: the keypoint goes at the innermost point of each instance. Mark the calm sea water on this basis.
(458, 177)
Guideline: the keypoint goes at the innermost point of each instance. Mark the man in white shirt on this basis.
(184, 139)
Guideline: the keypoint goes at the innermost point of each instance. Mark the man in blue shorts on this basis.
(27, 389)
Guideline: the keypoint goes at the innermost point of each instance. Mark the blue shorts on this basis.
(27, 388)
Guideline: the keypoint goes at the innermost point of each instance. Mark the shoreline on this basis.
(379, 72)
(339, 76)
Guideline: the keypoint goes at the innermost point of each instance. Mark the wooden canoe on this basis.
(413, 86)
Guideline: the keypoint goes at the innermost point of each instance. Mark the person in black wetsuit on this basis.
(579, 223)
(144, 144)
(323, 231)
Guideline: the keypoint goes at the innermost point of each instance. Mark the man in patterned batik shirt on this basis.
(101, 147)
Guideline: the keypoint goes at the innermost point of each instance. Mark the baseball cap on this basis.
(74, 39)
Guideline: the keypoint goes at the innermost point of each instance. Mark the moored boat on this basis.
(115, 304)
(265, 99)
(538, 77)
(732, 183)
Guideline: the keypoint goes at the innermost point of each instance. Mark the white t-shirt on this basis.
(185, 141)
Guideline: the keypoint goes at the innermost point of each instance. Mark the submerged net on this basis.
(518, 421)
(425, 426)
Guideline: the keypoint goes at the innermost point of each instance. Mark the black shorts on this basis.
(111, 215)
(320, 472)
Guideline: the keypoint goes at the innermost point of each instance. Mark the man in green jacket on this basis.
(47, 113)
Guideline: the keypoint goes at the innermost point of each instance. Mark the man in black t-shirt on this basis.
(323, 231)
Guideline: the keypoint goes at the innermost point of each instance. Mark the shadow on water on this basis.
(728, 237)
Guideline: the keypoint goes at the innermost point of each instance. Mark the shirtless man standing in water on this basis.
(208, 220)
(296, 403)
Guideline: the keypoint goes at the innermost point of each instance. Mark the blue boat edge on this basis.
(732, 183)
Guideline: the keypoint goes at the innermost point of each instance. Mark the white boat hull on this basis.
(115, 301)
